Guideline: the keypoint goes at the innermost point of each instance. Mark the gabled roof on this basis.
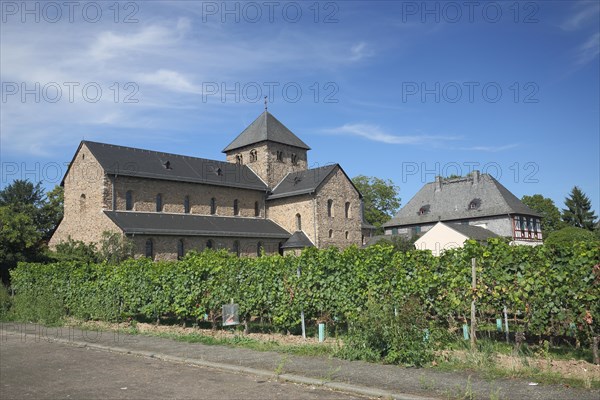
(130, 161)
(302, 182)
(266, 128)
(449, 199)
(298, 240)
(472, 231)
(155, 223)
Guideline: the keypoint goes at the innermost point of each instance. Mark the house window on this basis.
(347, 209)
(280, 156)
(256, 209)
(298, 222)
(236, 248)
(253, 155)
(294, 158)
(186, 204)
(330, 208)
(213, 206)
(346, 234)
(149, 249)
(236, 209)
(239, 159)
(159, 203)
(209, 244)
(180, 252)
(394, 231)
(129, 200)
(82, 202)
(474, 204)
(330, 233)
(259, 249)
(424, 210)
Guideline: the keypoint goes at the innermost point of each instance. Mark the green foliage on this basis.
(380, 198)
(5, 303)
(579, 211)
(569, 235)
(395, 335)
(399, 242)
(551, 218)
(27, 219)
(43, 306)
(545, 288)
(115, 248)
(75, 250)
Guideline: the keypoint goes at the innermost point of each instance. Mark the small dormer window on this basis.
(219, 171)
(474, 204)
(280, 156)
(253, 155)
(167, 165)
(424, 210)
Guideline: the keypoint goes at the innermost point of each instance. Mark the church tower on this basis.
(268, 148)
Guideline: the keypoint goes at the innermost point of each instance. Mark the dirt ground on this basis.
(576, 369)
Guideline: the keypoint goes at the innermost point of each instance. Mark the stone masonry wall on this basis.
(144, 192)
(266, 166)
(338, 230)
(283, 212)
(86, 191)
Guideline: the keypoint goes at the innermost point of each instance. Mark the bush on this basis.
(5, 303)
(569, 236)
(44, 307)
(395, 336)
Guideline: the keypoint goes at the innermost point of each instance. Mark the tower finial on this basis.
(265, 103)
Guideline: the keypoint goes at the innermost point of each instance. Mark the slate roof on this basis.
(301, 182)
(149, 223)
(130, 161)
(473, 232)
(266, 127)
(451, 202)
(298, 241)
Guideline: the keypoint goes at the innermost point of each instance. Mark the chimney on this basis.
(438, 183)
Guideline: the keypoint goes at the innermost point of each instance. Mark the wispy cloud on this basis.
(360, 51)
(588, 50)
(584, 12)
(489, 149)
(375, 133)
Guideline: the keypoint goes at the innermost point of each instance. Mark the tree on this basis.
(380, 199)
(579, 211)
(551, 220)
(27, 219)
(569, 235)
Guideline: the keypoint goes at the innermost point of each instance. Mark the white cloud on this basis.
(375, 133)
(169, 80)
(585, 11)
(588, 50)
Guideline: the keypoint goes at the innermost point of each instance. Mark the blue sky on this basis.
(400, 90)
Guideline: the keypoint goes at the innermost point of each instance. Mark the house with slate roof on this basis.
(263, 198)
(443, 236)
(475, 200)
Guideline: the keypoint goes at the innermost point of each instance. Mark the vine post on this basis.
(474, 291)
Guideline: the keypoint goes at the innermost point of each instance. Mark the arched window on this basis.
(294, 158)
(236, 209)
(159, 203)
(82, 202)
(253, 155)
(347, 209)
(236, 248)
(209, 244)
(346, 235)
(186, 204)
(149, 249)
(180, 250)
(330, 233)
(330, 208)
(129, 200)
(280, 156)
(213, 206)
(259, 249)
(239, 159)
(298, 222)
(256, 209)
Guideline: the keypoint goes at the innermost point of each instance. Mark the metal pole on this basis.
(506, 323)
(302, 313)
(474, 287)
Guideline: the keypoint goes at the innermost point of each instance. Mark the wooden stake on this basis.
(474, 287)
(595, 357)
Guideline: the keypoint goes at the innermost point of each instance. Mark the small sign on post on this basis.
(231, 314)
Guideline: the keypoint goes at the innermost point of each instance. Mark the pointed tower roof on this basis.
(266, 128)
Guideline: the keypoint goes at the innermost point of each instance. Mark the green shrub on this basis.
(5, 303)
(42, 306)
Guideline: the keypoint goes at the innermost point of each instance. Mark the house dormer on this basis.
(269, 148)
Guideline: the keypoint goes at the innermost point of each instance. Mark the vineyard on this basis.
(548, 291)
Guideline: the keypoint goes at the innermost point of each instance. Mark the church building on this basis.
(263, 198)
